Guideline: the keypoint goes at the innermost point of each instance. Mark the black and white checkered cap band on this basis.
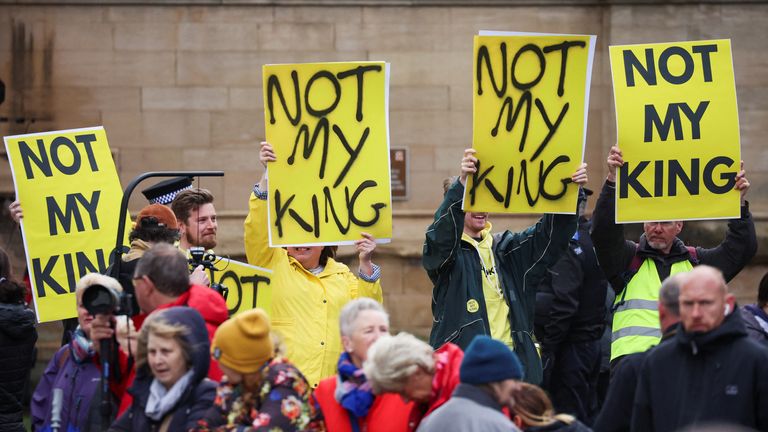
(167, 198)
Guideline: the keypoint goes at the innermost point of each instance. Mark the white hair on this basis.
(352, 310)
(97, 279)
(392, 359)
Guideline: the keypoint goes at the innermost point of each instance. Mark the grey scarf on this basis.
(162, 400)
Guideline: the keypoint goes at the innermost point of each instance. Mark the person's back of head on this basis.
(166, 267)
(492, 366)
(155, 223)
(11, 292)
(448, 182)
(533, 408)
(393, 359)
(762, 292)
(669, 304)
(244, 343)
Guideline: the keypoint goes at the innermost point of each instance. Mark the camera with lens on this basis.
(101, 300)
(199, 257)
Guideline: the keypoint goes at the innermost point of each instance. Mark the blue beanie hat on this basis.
(487, 360)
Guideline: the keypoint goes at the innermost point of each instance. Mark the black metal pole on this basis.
(118, 252)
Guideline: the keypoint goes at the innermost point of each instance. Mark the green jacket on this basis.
(522, 260)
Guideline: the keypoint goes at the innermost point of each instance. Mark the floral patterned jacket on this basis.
(281, 404)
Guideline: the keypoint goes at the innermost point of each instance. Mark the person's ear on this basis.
(730, 303)
(346, 342)
(517, 421)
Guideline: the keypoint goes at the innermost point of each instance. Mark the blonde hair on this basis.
(392, 359)
(534, 408)
(158, 326)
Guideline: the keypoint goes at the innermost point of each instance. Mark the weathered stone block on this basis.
(238, 128)
(427, 98)
(143, 14)
(184, 98)
(145, 36)
(73, 36)
(308, 36)
(114, 68)
(391, 37)
(179, 129)
(246, 98)
(225, 36)
(310, 14)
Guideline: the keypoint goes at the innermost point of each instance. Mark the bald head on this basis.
(704, 299)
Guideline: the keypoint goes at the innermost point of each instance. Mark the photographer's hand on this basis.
(199, 277)
(102, 327)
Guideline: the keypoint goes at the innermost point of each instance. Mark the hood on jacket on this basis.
(731, 328)
(208, 302)
(196, 338)
(16, 320)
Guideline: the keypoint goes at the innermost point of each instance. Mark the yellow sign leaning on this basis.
(328, 125)
(248, 286)
(678, 130)
(530, 99)
(70, 193)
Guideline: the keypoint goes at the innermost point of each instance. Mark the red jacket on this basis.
(387, 414)
(447, 362)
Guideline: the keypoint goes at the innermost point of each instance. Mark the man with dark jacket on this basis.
(616, 414)
(710, 372)
(569, 323)
(636, 269)
(486, 284)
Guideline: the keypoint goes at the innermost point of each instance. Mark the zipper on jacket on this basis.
(456, 333)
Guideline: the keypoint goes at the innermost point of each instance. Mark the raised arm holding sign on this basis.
(327, 158)
(308, 287)
(68, 186)
(530, 99)
(676, 159)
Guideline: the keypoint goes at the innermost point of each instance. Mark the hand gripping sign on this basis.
(328, 124)
(70, 192)
(678, 130)
(530, 99)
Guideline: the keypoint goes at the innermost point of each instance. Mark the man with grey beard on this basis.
(636, 269)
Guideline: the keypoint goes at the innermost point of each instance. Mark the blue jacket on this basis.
(196, 398)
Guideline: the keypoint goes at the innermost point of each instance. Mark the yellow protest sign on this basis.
(530, 99)
(70, 193)
(247, 285)
(678, 130)
(328, 124)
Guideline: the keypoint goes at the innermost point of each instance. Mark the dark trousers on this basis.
(571, 379)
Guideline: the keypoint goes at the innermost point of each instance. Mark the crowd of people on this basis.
(518, 340)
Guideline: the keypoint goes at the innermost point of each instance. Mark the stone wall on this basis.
(178, 86)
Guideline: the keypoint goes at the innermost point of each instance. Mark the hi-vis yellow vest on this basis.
(636, 320)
